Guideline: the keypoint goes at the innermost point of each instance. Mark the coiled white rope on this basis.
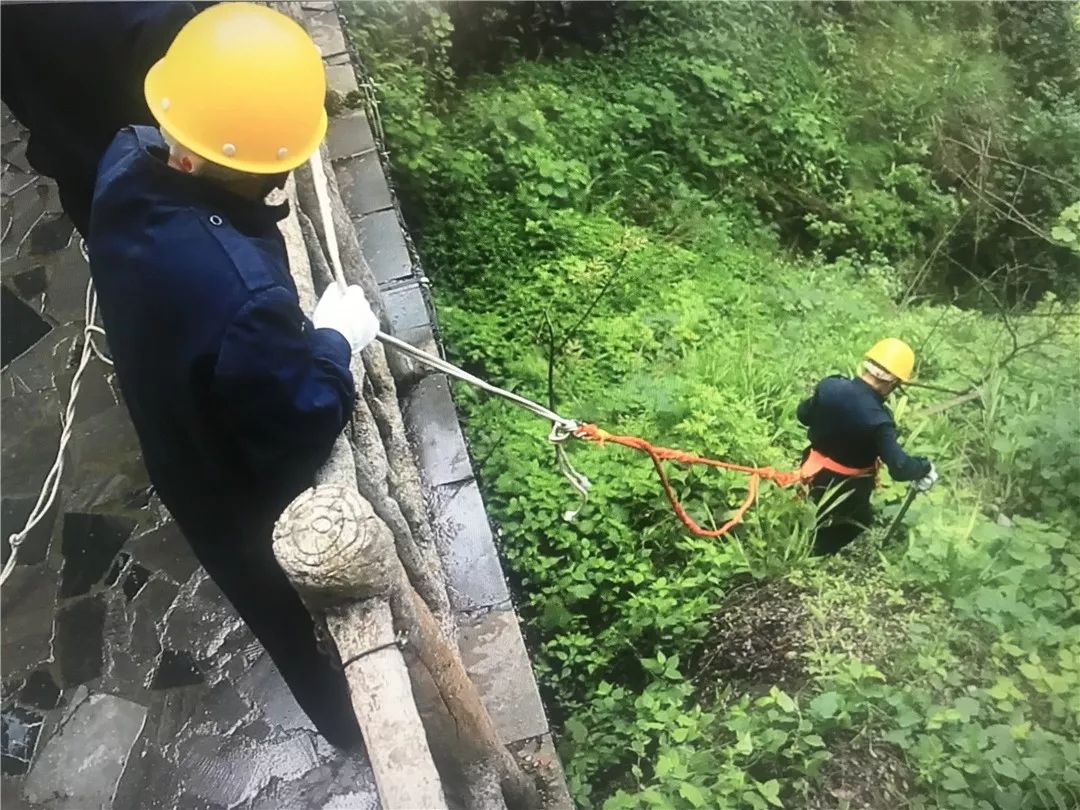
(50, 488)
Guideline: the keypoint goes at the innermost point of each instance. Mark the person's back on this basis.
(845, 418)
(72, 74)
(210, 348)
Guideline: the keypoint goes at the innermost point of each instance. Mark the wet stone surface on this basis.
(363, 186)
(22, 326)
(40, 691)
(432, 423)
(89, 545)
(19, 731)
(473, 573)
(494, 654)
(384, 246)
(129, 682)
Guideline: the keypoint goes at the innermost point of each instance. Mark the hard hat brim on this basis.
(155, 92)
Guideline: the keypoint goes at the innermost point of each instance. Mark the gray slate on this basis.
(463, 536)
(432, 424)
(80, 765)
(493, 652)
(362, 184)
(383, 245)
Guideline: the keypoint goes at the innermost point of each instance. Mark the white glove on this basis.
(925, 484)
(348, 312)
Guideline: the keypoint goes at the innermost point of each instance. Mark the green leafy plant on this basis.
(772, 211)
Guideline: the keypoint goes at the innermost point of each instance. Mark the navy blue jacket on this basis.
(849, 423)
(236, 397)
(72, 73)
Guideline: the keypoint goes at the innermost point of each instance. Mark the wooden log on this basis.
(482, 755)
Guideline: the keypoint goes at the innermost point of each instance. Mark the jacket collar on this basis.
(245, 215)
(869, 388)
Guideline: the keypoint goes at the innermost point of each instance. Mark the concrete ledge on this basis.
(383, 245)
(538, 756)
(340, 76)
(474, 577)
(324, 28)
(349, 135)
(431, 421)
(407, 311)
(494, 654)
(364, 189)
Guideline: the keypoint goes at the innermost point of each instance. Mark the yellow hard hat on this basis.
(242, 86)
(895, 356)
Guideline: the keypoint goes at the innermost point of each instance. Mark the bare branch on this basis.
(1002, 159)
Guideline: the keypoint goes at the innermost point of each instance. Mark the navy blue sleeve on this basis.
(902, 467)
(284, 387)
(805, 411)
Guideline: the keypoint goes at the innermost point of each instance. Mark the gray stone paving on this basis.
(128, 680)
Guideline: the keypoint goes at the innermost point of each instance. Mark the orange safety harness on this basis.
(814, 464)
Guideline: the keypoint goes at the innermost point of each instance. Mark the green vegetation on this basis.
(695, 222)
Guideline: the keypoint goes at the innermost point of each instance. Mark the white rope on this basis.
(51, 486)
(561, 427)
(322, 194)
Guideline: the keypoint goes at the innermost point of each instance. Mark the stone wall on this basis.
(490, 639)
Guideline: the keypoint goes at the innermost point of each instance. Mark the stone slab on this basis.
(384, 247)
(79, 643)
(363, 186)
(65, 295)
(23, 327)
(20, 732)
(407, 311)
(341, 79)
(324, 28)
(80, 766)
(406, 308)
(164, 549)
(538, 757)
(232, 769)
(431, 421)
(27, 603)
(348, 787)
(13, 514)
(494, 654)
(349, 134)
(474, 578)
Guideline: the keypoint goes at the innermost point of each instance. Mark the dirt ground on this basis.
(758, 640)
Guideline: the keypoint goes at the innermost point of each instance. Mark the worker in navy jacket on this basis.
(236, 396)
(850, 429)
(72, 74)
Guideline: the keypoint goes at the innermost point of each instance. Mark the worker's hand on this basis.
(348, 312)
(926, 483)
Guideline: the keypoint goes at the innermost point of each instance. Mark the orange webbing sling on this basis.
(815, 463)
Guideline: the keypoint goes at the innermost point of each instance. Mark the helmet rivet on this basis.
(229, 149)
(165, 104)
(282, 153)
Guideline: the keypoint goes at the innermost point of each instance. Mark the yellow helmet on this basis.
(895, 356)
(242, 86)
